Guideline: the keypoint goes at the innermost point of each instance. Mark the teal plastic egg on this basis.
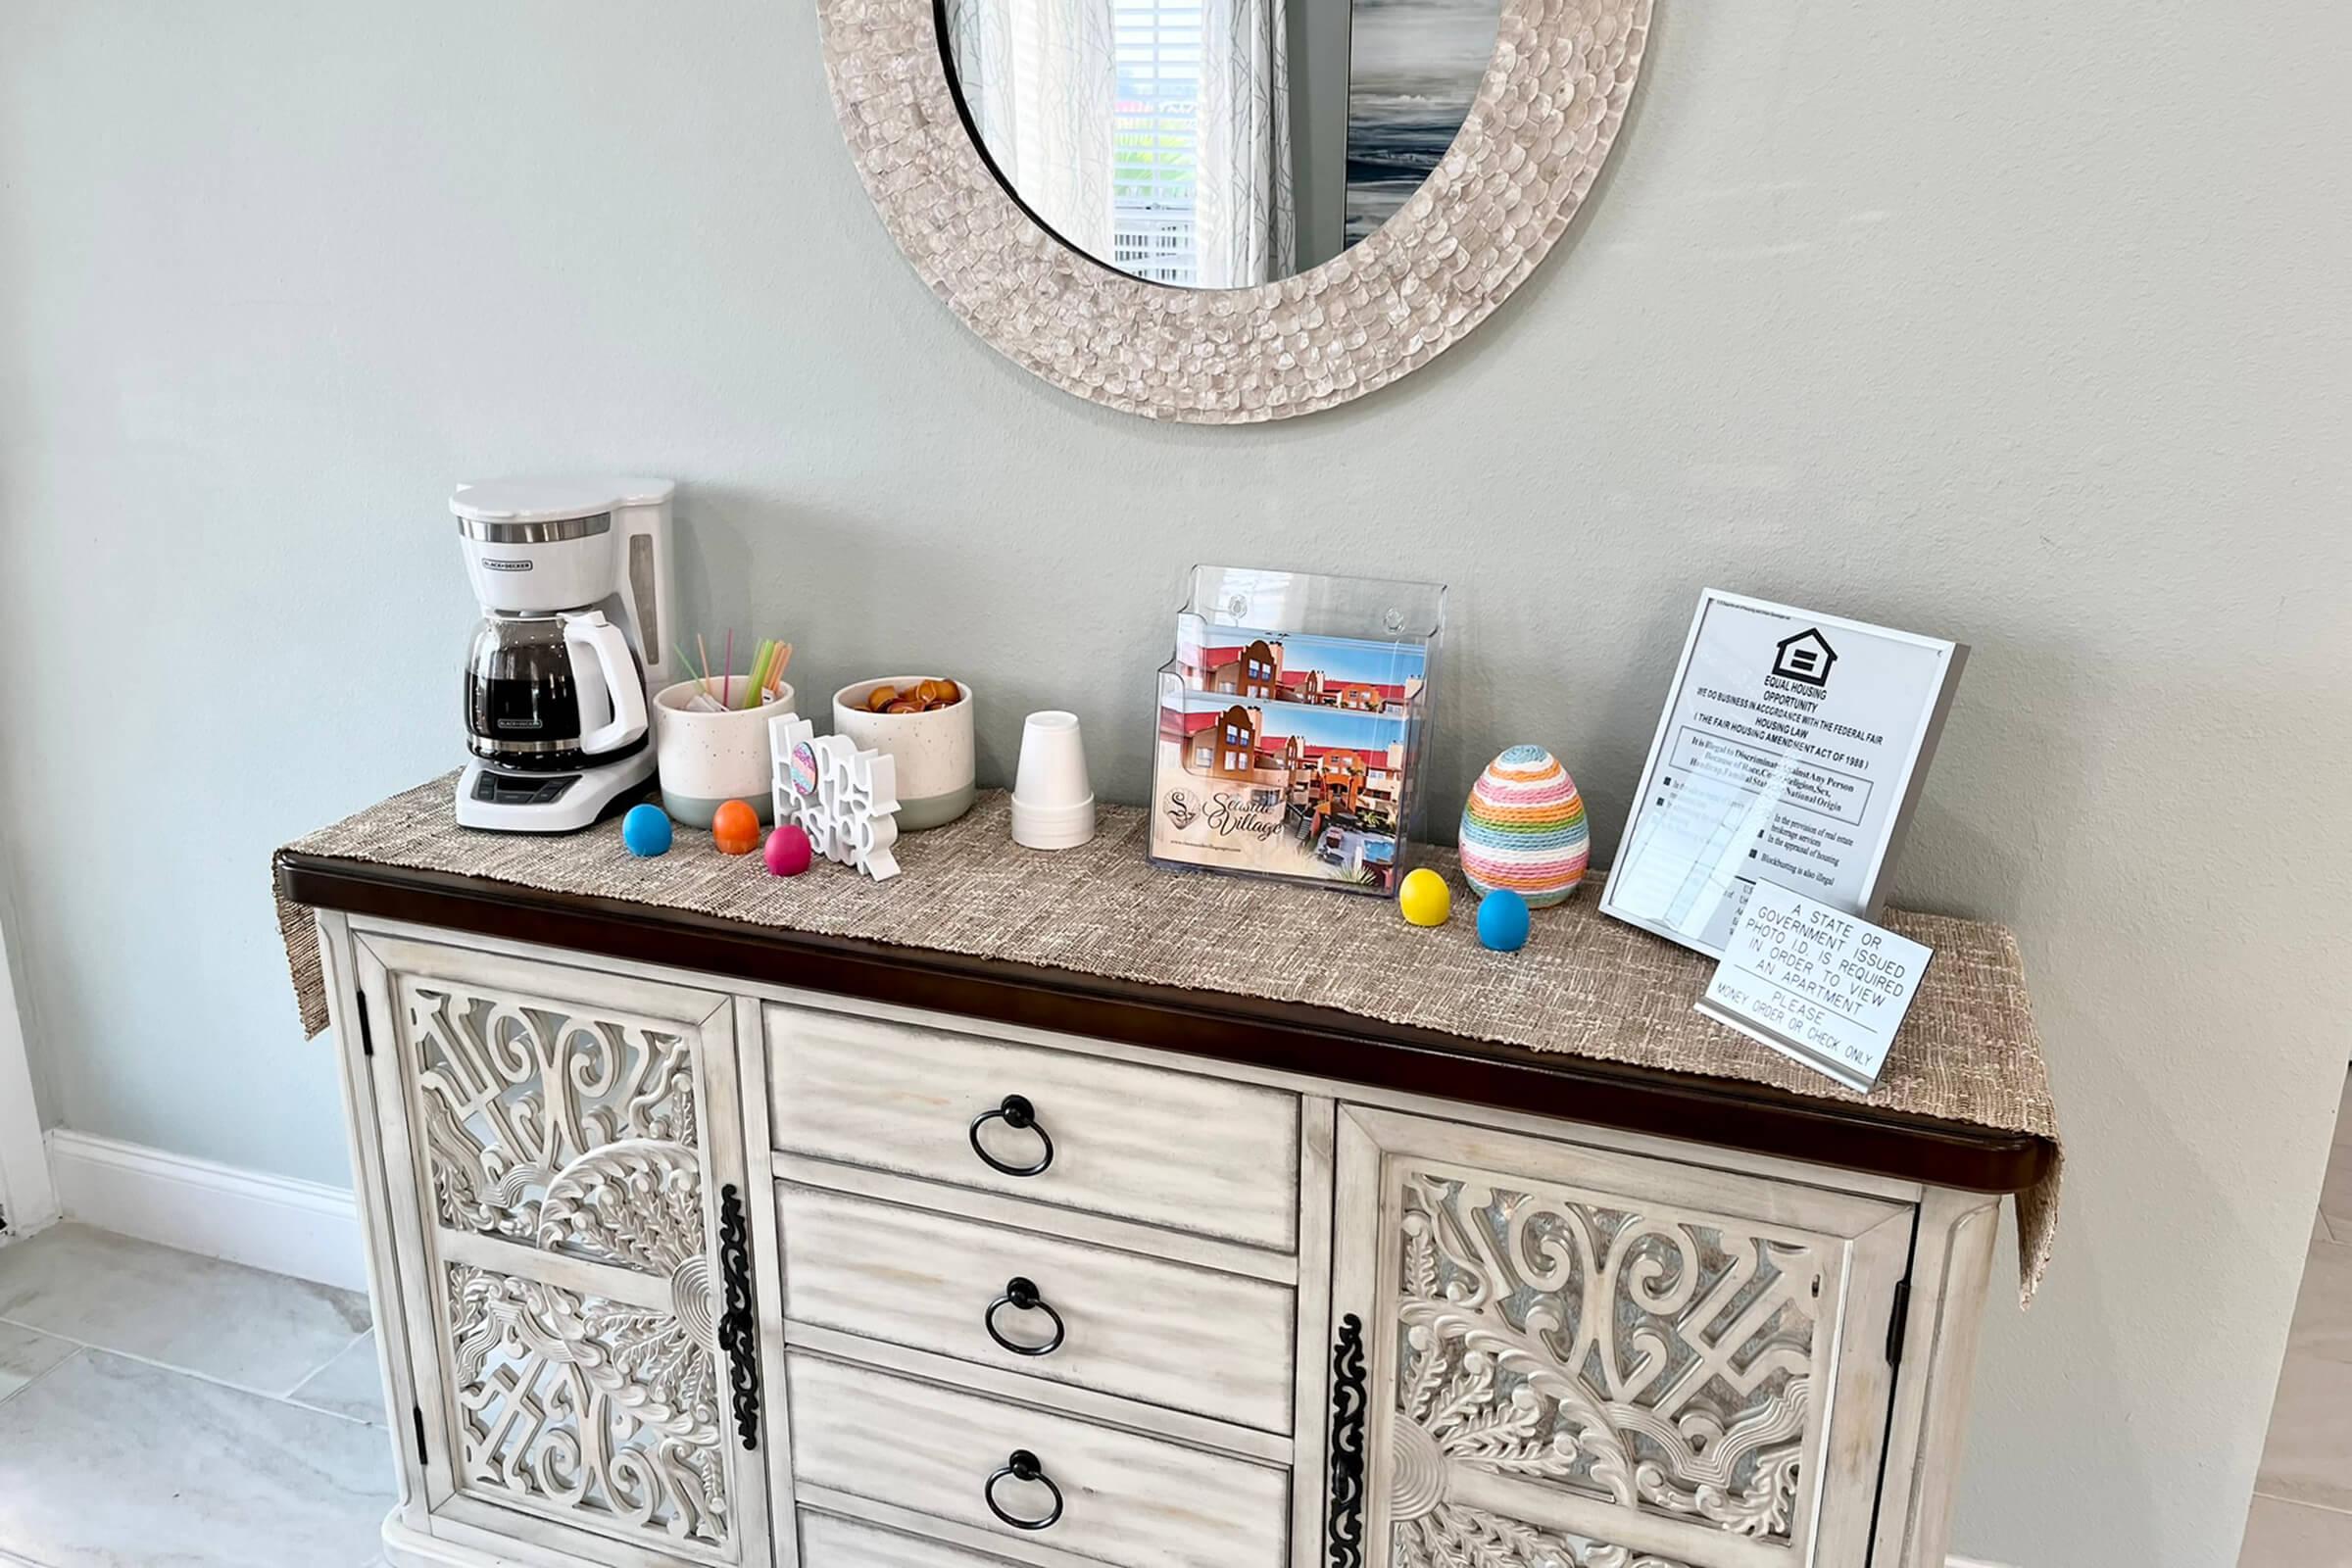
(645, 830)
(1502, 920)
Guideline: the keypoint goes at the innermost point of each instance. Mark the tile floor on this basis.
(156, 1407)
(2302, 1512)
(159, 1407)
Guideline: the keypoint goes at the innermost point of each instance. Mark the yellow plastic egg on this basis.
(1425, 898)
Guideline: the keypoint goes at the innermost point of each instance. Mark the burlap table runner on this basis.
(1584, 984)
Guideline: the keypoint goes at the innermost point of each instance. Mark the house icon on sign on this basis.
(1805, 657)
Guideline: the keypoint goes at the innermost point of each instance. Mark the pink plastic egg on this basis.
(789, 851)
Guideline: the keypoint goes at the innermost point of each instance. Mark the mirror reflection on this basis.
(1216, 143)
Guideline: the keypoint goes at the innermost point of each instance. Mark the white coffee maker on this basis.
(574, 580)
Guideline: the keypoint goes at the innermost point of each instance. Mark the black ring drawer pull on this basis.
(1018, 1113)
(1022, 1465)
(1021, 1295)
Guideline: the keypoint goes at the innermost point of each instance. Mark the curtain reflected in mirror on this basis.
(1213, 143)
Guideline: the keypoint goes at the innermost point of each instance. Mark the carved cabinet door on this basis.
(566, 1184)
(1549, 1356)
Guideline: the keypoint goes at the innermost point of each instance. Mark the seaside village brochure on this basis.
(1285, 754)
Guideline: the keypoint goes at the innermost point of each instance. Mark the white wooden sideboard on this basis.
(809, 1253)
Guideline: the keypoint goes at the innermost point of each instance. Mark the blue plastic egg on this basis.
(645, 830)
(1502, 920)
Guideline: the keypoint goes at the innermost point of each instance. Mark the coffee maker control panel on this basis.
(493, 788)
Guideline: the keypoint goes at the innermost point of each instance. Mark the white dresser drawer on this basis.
(1137, 1501)
(1171, 1148)
(828, 1542)
(1190, 1339)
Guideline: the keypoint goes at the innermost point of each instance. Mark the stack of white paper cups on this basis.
(1053, 804)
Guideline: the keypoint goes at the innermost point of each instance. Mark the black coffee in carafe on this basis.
(522, 707)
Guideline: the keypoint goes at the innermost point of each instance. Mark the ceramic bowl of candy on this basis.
(925, 724)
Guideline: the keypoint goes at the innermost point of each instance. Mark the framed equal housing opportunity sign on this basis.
(1791, 752)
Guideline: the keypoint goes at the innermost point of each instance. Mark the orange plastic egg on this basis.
(735, 829)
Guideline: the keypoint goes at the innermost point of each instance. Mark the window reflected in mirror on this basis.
(1215, 143)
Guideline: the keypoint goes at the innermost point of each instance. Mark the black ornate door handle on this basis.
(1016, 1112)
(738, 1328)
(1021, 1295)
(1345, 1543)
(1022, 1465)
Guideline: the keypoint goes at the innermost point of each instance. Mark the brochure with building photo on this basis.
(1296, 789)
(1791, 752)
(1357, 674)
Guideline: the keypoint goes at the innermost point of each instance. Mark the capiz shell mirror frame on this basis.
(1544, 119)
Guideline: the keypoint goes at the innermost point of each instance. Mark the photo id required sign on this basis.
(1827, 988)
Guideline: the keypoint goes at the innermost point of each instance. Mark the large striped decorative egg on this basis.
(1523, 829)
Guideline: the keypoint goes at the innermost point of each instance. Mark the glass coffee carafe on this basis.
(539, 696)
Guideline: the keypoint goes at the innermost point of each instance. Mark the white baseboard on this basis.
(305, 1229)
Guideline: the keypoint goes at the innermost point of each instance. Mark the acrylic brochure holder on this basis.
(1292, 725)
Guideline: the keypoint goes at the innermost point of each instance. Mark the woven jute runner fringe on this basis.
(1584, 985)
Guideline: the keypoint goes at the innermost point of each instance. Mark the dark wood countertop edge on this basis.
(1217, 1026)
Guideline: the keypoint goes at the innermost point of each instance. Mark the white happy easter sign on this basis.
(845, 800)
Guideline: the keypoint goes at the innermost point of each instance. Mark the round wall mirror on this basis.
(1205, 209)
(1215, 144)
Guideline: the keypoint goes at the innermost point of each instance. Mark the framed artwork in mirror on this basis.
(1226, 211)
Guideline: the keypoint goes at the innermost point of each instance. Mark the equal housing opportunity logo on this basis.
(1805, 657)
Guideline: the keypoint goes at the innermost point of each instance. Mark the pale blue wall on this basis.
(2021, 322)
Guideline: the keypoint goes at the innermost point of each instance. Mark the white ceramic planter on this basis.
(933, 750)
(707, 760)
